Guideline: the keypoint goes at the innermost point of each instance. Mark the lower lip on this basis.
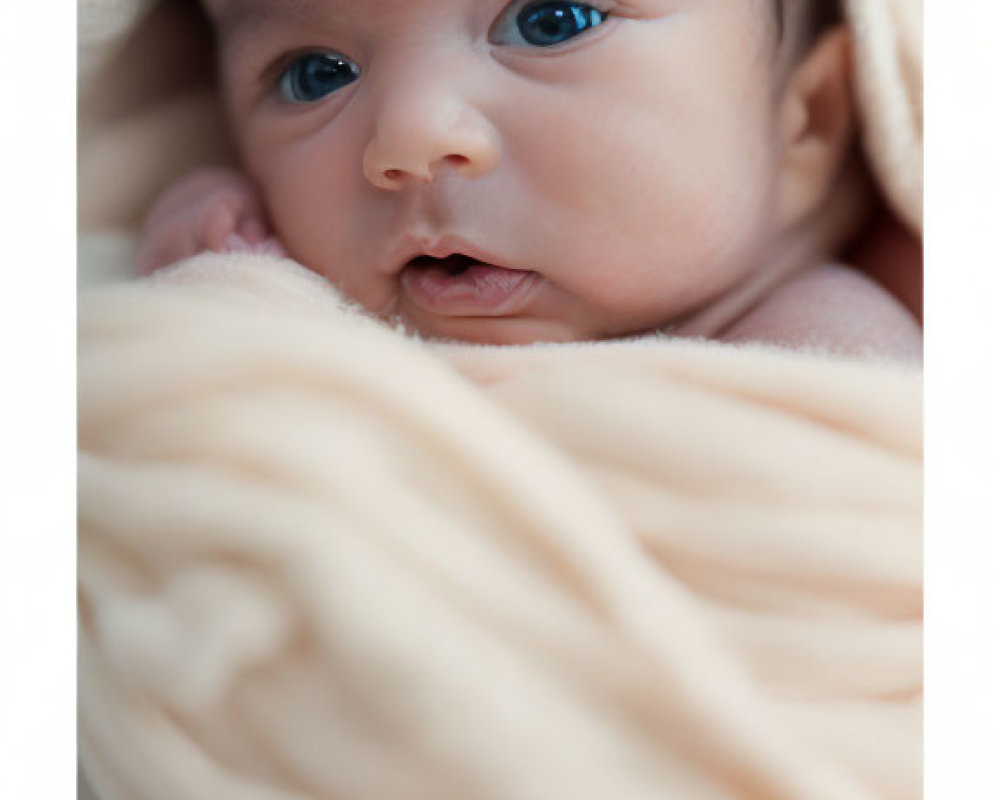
(481, 290)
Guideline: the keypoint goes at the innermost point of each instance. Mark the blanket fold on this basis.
(321, 559)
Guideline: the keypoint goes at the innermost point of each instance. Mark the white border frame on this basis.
(37, 414)
(37, 400)
(962, 553)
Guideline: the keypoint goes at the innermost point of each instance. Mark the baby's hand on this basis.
(211, 209)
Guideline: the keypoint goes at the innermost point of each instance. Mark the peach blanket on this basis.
(319, 559)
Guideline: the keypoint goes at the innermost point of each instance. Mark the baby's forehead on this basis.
(297, 6)
(220, 9)
(230, 16)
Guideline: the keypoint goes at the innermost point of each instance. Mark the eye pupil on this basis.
(547, 24)
(316, 75)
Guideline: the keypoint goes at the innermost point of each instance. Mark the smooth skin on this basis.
(662, 170)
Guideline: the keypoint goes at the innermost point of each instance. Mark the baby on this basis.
(537, 170)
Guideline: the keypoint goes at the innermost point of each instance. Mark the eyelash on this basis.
(512, 12)
(271, 77)
(276, 73)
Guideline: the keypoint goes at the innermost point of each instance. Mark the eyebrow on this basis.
(243, 16)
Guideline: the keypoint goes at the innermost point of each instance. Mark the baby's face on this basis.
(599, 169)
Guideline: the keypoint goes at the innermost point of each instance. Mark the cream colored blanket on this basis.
(322, 560)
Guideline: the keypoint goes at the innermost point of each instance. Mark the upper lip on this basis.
(412, 247)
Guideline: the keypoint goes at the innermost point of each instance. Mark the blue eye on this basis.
(313, 76)
(548, 24)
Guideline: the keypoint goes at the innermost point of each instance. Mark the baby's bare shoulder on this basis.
(836, 309)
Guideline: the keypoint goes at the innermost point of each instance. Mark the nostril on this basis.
(397, 176)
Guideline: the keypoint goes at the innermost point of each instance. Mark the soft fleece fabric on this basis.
(319, 559)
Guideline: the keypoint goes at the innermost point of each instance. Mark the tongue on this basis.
(479, 284)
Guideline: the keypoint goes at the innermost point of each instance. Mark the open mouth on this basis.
(460, 285)
(454, 265)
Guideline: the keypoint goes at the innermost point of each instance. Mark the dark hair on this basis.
(806, 19)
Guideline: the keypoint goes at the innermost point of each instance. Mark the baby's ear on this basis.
(815, 123)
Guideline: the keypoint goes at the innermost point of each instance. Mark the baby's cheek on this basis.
(321, 226)
(294, 211)
(309, 197)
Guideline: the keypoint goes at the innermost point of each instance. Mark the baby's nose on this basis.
(418, 137)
